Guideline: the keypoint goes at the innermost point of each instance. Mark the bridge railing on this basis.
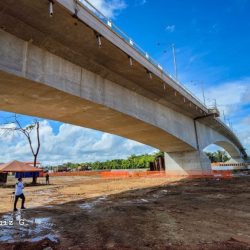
(106, 21)
(109, 24)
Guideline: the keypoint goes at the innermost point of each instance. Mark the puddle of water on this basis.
(41, 220)
(91, 205)
(216, 196)
(137, 201)
(48, 236)
(5, 237)
(155, 196)
(21, 228)
(129, 202)
(165, 191)
(87, 206)
(102, 198)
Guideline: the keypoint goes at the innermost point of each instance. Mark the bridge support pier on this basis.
(194, 163)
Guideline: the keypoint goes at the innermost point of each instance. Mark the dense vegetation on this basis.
(132, 162)
(140, 161)
(218, 156)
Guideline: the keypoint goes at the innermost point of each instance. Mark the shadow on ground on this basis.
(188, 214)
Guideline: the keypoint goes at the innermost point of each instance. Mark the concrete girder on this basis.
(208, 136)
(65, 92)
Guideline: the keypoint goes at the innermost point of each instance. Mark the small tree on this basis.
(26, 131)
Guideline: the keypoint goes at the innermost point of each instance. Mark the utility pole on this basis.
(229, 123)
(224, 117)
(195, 83)
(231, 126)
(203, 92)
(215, 103)
(174, 59)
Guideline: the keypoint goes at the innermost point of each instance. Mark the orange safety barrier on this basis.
(76, 173)
(223, 173)
(126, 174)
(153, 174)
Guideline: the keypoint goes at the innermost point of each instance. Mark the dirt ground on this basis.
(133, 213)
(68, 188)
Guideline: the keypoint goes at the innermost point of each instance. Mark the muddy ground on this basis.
(185, 214)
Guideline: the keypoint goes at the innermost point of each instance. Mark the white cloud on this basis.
(243, 129)
(110, 8)
(232, 98)
(70, 144)
(229, 96)
(170, 28)
(246, 121)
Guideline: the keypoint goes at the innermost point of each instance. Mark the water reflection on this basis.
(17, 227)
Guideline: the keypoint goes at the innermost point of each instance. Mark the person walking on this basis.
(47, 179)
(19, 194)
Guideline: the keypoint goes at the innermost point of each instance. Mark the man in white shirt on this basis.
(19, 193)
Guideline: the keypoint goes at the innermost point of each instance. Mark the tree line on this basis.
(133, 162)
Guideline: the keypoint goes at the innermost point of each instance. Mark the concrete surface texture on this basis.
(187, 163)
(53, 68)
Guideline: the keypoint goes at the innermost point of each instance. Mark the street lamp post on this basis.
(202, 89)
(174, 59)
(203, 92)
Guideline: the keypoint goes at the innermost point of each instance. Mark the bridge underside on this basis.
(23, 96)
(75, 41)
(37, 83)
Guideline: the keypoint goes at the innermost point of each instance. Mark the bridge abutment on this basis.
(194, 163)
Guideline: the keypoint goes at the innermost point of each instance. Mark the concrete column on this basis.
(194, 163)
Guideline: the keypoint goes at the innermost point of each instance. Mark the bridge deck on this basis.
(75, 41)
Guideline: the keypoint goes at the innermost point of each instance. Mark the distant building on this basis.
(230, 166)
(21, 169)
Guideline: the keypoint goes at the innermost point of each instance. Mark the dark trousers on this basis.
(16, 199)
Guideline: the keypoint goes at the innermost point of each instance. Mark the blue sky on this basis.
(212, 41)
(211, 36)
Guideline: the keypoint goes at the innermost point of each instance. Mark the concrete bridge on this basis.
(63, 61)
